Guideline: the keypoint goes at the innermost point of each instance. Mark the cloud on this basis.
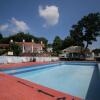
(19, 25)
(50, 14)
(3, 27)
(14, 26)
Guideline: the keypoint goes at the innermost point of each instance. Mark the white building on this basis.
(30, 47)
(49, 49)
(74, 52)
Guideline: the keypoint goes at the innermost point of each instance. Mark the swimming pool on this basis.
(72, 78)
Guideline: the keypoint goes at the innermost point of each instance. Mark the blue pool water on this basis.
(68, 78)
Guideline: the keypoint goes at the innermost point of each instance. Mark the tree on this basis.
(77, 35)
(49, 45)
(1, 37)
(57, 44)
(20, 36)
(15, 49)
(86, 30)
(96, 51)
(26, 36)
(68, 41)
(44, 40)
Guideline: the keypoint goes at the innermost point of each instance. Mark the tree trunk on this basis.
(85, 49)
(86, 46)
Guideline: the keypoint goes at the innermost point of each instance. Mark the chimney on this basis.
(11, 41)
(23, 40)
(41, 42)
(32, 40)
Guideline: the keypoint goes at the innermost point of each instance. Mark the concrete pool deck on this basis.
(13, 88)
(19, 65)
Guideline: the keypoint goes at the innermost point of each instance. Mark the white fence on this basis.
(17, 59)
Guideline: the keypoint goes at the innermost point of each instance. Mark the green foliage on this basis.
(57, 45)
(49, 45)
(2, 51)
(86, 30)
(77, 35)
(44, 40)
(4, 40)
(20, 36)
(15, 49)
(96, 51)
(26, 36)
(68, 41)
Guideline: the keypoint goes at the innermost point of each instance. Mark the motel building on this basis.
(27, 47)
(31, 47)
(74, 53)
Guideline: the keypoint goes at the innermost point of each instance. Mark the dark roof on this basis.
(4, 45)
(75, 49)
(30, 43)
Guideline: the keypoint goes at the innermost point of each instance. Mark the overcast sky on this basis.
(46, 18)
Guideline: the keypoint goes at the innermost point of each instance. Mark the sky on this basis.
(44, 18)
